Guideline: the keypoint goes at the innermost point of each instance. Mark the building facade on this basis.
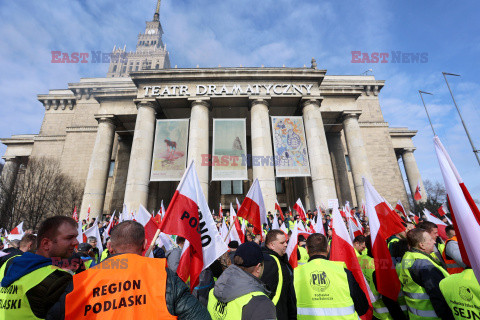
(103, 130)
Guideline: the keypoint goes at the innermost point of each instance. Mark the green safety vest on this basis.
(87, 263)
(278, 292)
(104, 255)
(441, 248)
(303, 256)
(14, 303)
(462, 293)
(322, 291)
(231, 310)
(392, 241)
(418, 301)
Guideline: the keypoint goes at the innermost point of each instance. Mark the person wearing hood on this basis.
(239, 293)
(30, 284)
(278, 275)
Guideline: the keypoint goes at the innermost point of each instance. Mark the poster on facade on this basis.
(290, 147)
(170, 150)
(229, 156)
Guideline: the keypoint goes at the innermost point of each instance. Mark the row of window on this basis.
(236, 186)
(148, 43)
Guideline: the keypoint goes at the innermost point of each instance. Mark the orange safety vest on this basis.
(452, 266)
(126, 286)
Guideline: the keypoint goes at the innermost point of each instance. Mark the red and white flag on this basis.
(275, 224)
(418, 194)
(18, 229)
(188, 216)
(400, 208)
(442, 210)
(298, 206)
(353, 229)
(342, 250)
(106, 232)
(292, 247)
(238, 204)
(220, 211)
(94, 232)
(162, 208)
(75, 215)
(318, 226)
(383, 224)
(253, 208)
(464, 211)
(148, 222)
(224, 232)
(279, 210)
(88, 214)
(236, 233)
(284, 229)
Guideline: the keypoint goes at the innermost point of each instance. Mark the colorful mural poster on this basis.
(229, 158)
(290, 147)
(170, 150)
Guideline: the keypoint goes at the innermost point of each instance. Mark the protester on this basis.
(173, 255)
(93, 242)
(359, 244)
(27, 244)
(451, 255)
(278, 275)
(238, 293)
(420, 275)
(432, 229)
(232, 247)
(32, 277)
(86, 254)
(302, 255)
(341, 296)
(128, 286)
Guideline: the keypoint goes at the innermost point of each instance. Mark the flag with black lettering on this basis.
(188, 216)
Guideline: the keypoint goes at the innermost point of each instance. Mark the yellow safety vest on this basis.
(322, 291)
(104, 255)
(231, 310)
(303, 256)
(462, 293)
(418, 301)
(14, 303)
(278, 292)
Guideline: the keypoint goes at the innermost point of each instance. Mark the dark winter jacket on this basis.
(287, 303)
(177, 295)
(44, 295)
(234, 283)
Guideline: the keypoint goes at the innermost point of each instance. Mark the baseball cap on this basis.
(84, 247)
(251, 254)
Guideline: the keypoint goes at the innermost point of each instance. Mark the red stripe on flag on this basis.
(250, 211)
(390, 222)
(386, 275)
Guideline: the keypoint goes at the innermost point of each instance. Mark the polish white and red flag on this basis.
(188, 216)
(106, 232)
(162, 208)
(440, 224)
(298, 206)
(353, 229)
(292, 247)
(148, 222)
(220, 211)
(94, 232)
(18, 229)
(400, 208)
(318, 226)
(236, 233)
(464, 211)
(238, 204)
(384, 223)
(284, 229)
(75, 215)
(253, 208)
(442, 211)
(415, 217)
(275, 224)
(418, 190)
(224, 232)
(279, 209)
(88, 214)
(342, 250)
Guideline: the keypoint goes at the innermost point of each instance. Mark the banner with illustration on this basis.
(170, 150)
(290, 147)
(229, 156)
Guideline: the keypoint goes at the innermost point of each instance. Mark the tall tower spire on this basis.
(156, 16)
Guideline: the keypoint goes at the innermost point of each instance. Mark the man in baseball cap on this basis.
(239, 289)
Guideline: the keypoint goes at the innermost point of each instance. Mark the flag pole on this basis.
(150, 248)
(428, 116)
(230, 229)
(475, 151)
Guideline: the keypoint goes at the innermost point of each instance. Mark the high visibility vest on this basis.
(441, 248)
(126, 286)
(231, 310)
(322, 291)
(303, 256)
(392, 241)
(418, 301)
(452, 266)
(462, 293)
(104, 255)
(14, 303)
(278, 292)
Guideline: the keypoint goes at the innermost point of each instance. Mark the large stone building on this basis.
(103, 129)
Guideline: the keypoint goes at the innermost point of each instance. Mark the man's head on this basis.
(420, 239)
(359, 243)
(85, 249)
(410, 226)
(317, 244)
(430, 227)
(28, 243)
(450, 231)
(233, 245)
(57, 237)
(249, 258)
(301, 241)
(128, 237)
(276, 241)
(92, 241)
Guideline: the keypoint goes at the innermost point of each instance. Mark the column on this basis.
(138, 178)
(199, 138)
(309, 195)
(319, 157)
(335, 146)
(357, 153)
(262, 147)
(9, 173)
(153, 202)
(96, 183)
(413, 175)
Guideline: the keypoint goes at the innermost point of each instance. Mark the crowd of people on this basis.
(51, 275)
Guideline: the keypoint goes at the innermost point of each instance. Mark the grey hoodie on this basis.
(234, 283)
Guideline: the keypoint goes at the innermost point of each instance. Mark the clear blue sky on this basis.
(269, 32)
